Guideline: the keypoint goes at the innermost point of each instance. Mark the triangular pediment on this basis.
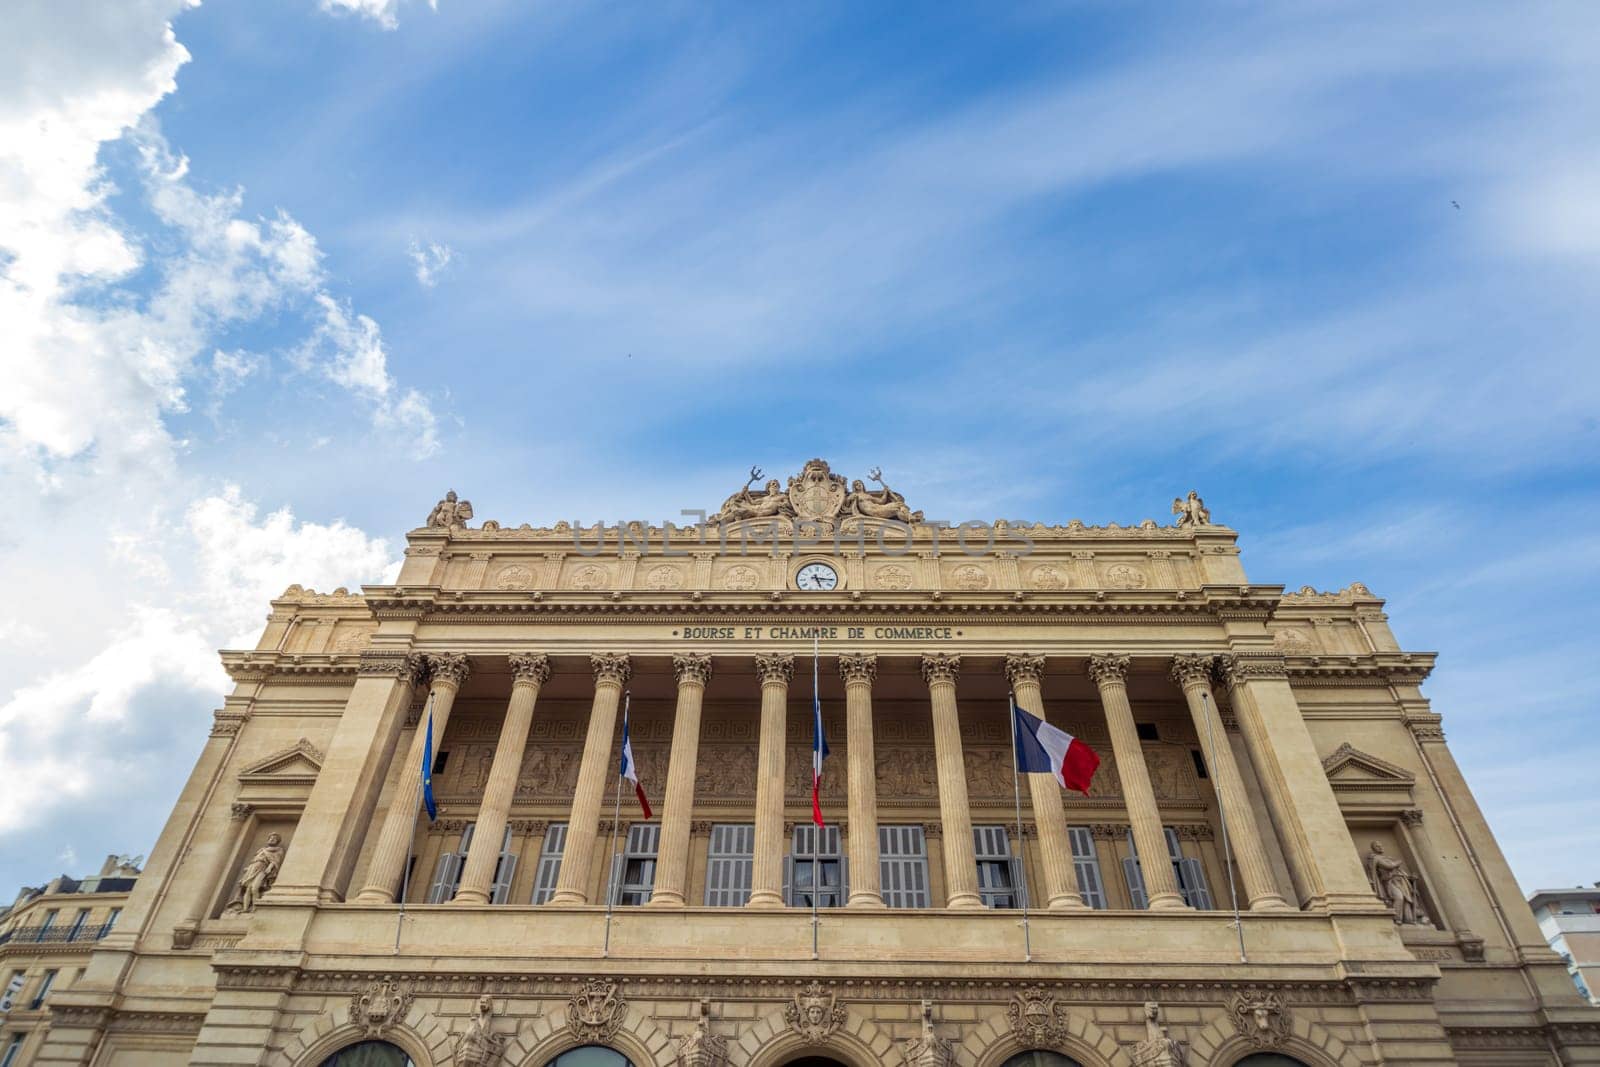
(1348, 766)
(299, 763)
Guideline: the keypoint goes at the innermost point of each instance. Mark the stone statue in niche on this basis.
(1395, 886)
(450, 512)
(257, 877)
(1191, 510)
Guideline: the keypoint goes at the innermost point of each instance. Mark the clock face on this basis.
(817, 576)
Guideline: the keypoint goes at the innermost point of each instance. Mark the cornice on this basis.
(563, 536)
(1387, 668)
(310, 667)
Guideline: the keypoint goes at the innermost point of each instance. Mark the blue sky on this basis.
(273, 276)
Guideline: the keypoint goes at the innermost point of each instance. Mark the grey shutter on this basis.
(1134, 876)
(446, 876)
(998, 885)
(614, 882)
(504, 870)
(1192, 877)
(1086, 863)
(903, 866)
(643, 841)
(788, 880)
(728, 865)
(844, 880)
(549, 869)
(461, 861)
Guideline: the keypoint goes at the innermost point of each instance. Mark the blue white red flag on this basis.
(630, 769)
(1043, 749)
(819, 751)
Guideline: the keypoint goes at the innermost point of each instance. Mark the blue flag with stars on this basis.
(427, 768)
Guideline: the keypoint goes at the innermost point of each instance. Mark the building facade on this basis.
(1570, 922)
(46, 936)
(1264, 753)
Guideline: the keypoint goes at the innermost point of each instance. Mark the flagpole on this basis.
(405, 874)
(1222, 817)
(616, 819)
(1016, 789)
(816, 831)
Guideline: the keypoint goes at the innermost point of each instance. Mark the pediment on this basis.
(299, 764)
(1347, 767)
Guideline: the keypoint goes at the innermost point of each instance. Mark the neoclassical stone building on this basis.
(1265, 754)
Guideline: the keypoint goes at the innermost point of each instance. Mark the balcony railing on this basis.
(54, 935)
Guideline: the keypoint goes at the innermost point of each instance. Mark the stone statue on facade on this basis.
(478, 1045)
(772, 502)
(1158, 1049)
(1191, 510)
(1395, 886)
(450, 512)
(883, 503)
(700, 1047)
(927, 1049)
(257, 876)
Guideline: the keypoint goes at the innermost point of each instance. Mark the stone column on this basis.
(449, 674)
(529, 673)
(766, 875)
(677, 807)
(858, 671)
(960, 861)
(1110, 673)
(1055, 845)
(611, 670)
(1193, 675)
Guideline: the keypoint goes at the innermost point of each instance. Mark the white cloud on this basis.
(348, 349)
(430, 261)
(385, 13)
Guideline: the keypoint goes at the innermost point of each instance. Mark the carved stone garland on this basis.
(596, 1011)
(815, 1013)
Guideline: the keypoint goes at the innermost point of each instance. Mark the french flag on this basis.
(1043, 749)
(819, 751)
(630, 769)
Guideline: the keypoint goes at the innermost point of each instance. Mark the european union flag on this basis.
(427, 768)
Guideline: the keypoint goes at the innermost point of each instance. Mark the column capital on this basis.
(1022, 666)
(450, 668)
(1109, 667)
(858, 667)
(1239, 668)
(692, 667)
(530, 668)
(610, 667)
(775, 668)
(940, 667)
(1411, 816)
(1191, 669)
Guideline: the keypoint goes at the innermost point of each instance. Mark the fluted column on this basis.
(960, 861)
(1193, 675)
(448, 673)
(858, 671)
(677, 808)
(1055, 845)
(1110, 673)
(529, 673)
(766, 875)
(611, 671)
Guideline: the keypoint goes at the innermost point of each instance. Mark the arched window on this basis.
(1040, 1058)
(369, 1054)
(591, 1056)
(1268, 1059)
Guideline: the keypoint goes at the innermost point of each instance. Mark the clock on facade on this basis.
(816, 576)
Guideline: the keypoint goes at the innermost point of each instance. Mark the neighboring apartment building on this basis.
(45, 940)
(1570, 921)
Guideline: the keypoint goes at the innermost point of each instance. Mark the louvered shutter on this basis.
(1192, 877)
(1134, 876)
(549, 869)
(1086, 864)
(998, 883)
(446, 876)
(614, 881)
(504, 870)
(728, 865)
(788, 880)
(903, 866)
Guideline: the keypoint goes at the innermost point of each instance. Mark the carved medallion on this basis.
(667, 577)
(1260, 1018)
(379, 1007)
(1125, 576)
(892, 577)
(516, 576)
(1047, 577)
(815, 1013)
(816, 493)
(596, 1011)
(741, 577)
(971, 577)
(590, 577)
(1036, 1019)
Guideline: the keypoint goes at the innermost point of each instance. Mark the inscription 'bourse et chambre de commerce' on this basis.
(1276, 860)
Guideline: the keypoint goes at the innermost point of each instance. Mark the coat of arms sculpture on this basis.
(815, 1013)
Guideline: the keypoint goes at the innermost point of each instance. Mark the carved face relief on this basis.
(1260, 1018)
(814, 1014)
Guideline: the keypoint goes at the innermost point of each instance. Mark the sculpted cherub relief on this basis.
(1191, 510)
(450, 512)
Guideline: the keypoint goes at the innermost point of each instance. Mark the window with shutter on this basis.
(1000, 883)
(1134, 878)
(10, 1056)
(903, 866)
(447, 874)
(505, 869)
(1191, 876)
(549, 869)
(728, 864)
(635, 874)
(1086, 863)
(815, 855)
